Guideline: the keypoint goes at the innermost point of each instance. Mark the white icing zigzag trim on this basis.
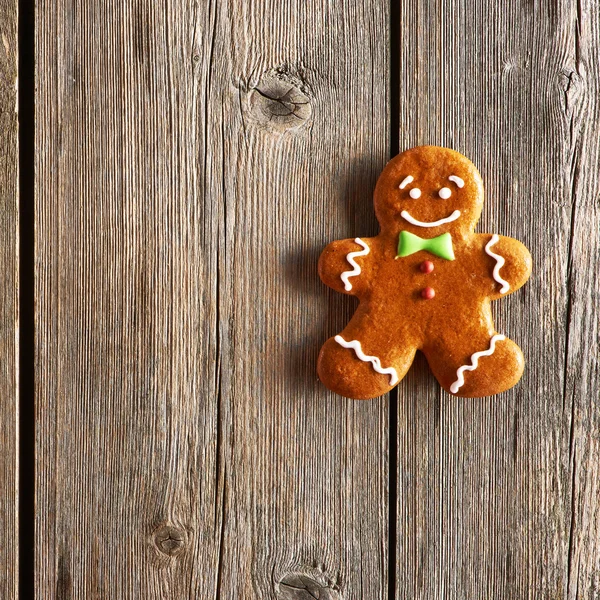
(345, 276)
(414, 221)
(499, 264)
(355, 345)
(460, 381)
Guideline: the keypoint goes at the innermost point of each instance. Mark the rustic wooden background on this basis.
(9, 299)
(192, 159)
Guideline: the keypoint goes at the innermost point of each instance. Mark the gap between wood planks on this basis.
(394, 46)
(26, 340)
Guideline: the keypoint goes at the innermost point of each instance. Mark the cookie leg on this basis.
(475, 366)
(362, 369)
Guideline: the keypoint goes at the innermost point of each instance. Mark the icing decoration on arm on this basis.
(355, 345)
(441, 246)
(445, 193)
(457, 180)
(406, 181)
(414, 221)
(460, 379)
(499, 264)
(415, 193)
(350, 258)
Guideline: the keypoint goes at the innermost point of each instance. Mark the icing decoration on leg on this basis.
(460, 380)
(350, 258)
(499, 264)
(355, 345)
(409, 243)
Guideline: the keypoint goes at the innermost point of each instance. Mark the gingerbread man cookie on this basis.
(424, 283)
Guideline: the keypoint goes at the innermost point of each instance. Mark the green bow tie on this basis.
(440, 246)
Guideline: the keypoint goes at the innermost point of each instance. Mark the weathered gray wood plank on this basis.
(499, 497)
(185, 447)
(9, 296)
(581, 378)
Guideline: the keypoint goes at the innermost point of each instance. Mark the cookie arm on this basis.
(342, 265)
(509, 265)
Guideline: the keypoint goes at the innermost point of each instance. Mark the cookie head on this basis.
(429, 187)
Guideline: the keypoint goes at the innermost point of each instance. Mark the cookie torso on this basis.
(459, 285)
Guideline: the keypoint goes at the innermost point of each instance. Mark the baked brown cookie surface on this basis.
(424, 283)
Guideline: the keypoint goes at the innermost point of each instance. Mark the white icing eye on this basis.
(406, 181)
(415, 193)
(445, 193)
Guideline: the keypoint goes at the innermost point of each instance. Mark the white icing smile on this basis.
(414, 221)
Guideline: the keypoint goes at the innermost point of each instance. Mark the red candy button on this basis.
(426, 267)
(428, 293)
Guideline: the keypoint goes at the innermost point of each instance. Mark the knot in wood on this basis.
(572, 84)
(170, 540)
(295, 586)
(278, 102)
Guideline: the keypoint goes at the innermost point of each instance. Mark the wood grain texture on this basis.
(500, 497)
(193, 160)
(9, 299)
